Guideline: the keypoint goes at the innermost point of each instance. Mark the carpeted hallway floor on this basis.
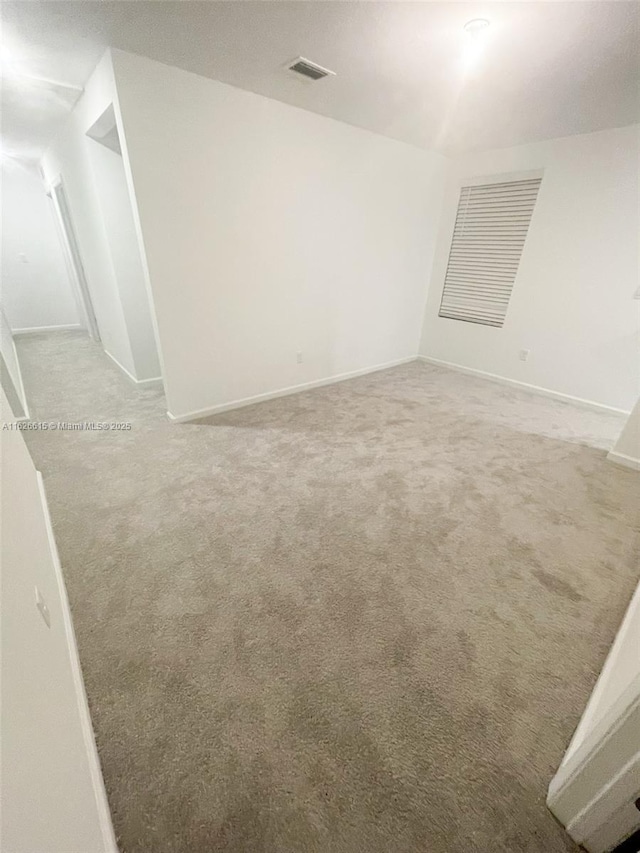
(363, 619)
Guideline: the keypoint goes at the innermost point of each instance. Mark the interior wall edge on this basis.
(626, 450)
(139, 383)
(536, 389)
(34, 330)
(624, 460)
(286, 392)
(93, 759)
(586, 791)
(126, 161)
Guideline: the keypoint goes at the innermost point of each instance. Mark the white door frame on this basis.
(11, 369)
(64, 222)
(594, 792)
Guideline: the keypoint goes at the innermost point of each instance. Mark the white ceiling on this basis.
(547, 69)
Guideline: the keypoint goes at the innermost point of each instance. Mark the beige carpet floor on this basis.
(362, 619)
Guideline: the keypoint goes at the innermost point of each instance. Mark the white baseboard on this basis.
(526, 386)
(140, 383)
(623, 459)
(284, 392)
(100, 794)
(154, 382)
(33, 330)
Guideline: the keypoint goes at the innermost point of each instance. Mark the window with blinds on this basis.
(488, 238)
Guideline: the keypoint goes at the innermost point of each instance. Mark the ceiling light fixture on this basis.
(475, 44)
(474, 27)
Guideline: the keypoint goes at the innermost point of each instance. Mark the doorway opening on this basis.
(132, 339)
(67, 234)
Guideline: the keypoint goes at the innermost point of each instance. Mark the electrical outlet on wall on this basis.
(524, 354)
(299, 357)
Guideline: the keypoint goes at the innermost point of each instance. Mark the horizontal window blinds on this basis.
(488, 238)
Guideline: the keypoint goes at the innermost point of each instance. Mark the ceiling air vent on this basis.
(308, 69)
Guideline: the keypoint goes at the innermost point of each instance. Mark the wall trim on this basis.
(587, 721)
(93, 759)
(516, 383)
(33, 330)
(600, 775)
(17, 383)
(139, 383)
(616, 793)
(285, 392)
(623, 459)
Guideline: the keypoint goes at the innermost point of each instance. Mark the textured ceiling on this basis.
(403, 69)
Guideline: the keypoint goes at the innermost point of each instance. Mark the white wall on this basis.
(626, 450)
(270, 231)
(10, 372)
(52, 792)
(115, 204)
(69, 157)
(572, 305)
(36, 290)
